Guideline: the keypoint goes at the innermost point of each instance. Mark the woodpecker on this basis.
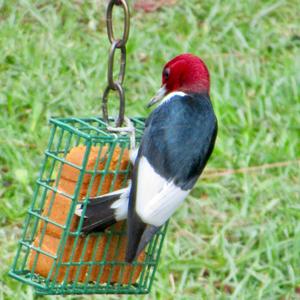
(178, 140)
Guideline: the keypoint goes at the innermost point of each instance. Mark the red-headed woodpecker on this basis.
(179, 138)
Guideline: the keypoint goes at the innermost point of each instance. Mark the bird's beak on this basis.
(159, 96)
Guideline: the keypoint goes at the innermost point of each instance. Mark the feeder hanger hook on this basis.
(120, 44)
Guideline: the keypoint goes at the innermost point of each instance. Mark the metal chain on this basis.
(120, 44)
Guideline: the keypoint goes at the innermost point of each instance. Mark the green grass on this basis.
(236, 236)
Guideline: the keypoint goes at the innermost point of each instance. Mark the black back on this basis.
(179, 138)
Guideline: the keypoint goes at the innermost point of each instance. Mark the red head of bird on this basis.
(184, 73)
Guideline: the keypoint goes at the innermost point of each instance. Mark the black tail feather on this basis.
(99, 215)
(148, 234)
(135, 230)
(139, 236)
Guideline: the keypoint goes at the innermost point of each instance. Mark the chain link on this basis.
(120, 44)
(120, 90)
(109, 25)
(111, 59)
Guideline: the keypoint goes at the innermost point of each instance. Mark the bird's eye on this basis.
(166, 73)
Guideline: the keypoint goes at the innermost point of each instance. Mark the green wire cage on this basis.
(83, 159)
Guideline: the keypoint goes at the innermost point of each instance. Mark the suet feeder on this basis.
(85, 157)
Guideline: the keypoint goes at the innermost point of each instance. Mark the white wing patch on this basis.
(156, 198)
(133, 155)
(149, 184)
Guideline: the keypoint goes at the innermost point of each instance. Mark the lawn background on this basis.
(237, 236)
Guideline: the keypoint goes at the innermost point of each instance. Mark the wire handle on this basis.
(116, 43)
(128, 129)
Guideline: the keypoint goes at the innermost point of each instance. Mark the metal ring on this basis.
(110, 70)
(120, 90)
(110, 30)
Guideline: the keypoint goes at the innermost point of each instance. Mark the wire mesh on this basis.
(82, 160)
